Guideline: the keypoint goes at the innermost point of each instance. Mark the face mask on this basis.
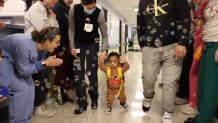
(89, 11)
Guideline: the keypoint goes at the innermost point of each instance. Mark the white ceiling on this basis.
(126, 8)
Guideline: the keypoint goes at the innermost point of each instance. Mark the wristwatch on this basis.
(43, 64)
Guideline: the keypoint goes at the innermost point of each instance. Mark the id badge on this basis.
(77, 50)
(88, 27)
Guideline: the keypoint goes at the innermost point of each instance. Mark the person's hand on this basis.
(201, 35)
(102, 56)
(2, 25)
(180, 52)
(2, 99)
(52, 61)
(122, 59)
(73, 52)
(216, 56)
(52, 15)
(61, 54)
(199, 22)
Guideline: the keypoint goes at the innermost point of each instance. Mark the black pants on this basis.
(40, 88)
(40, 79)
(88, 52)
(183, 91)
(64, 75)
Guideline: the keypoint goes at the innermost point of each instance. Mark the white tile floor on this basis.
(134, 98)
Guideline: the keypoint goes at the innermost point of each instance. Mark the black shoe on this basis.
(80, 110)
(191, 120)
(94, 105)
(66, 98)
(124, 105)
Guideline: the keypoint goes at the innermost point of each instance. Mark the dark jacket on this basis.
(163, 22)
(62, 10)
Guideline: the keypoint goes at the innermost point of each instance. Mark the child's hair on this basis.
(113, 54)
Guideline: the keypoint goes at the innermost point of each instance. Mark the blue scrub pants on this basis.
(22, 93)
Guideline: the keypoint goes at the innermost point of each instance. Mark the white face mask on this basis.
(89, 11)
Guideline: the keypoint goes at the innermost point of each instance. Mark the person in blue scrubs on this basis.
(20, 60)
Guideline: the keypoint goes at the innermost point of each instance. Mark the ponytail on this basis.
(36, 36)
(47, 33)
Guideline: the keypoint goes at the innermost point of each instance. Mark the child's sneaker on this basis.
(124, 105)
(108, 112)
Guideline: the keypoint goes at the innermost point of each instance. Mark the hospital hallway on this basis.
(133, 88)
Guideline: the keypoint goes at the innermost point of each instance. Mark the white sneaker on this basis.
(146, 104)
(189, 110)
(167, 117)
(40, 112)
(108, 111)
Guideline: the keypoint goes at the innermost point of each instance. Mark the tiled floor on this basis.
(134, 98)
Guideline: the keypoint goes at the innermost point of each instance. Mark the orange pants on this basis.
(111, 92)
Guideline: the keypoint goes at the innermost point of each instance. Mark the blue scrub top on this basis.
(20, 59)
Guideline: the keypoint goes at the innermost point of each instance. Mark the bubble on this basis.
(172, 33)
(97, 40)
(37, 82)
(74, 69)
(95, 58)
(149, 39)
(79, 67)
(179, 27)
(88, 73)
(153, 31)
(148, 27)
(186, 20)
(161, 35)
(166, 32)
(172, 24)
(42, 88)
(183, 37)
(87, 52)
(67, 78)
(185, 30)
(148, 44)
(93, 65)
(54, 71)
(48, 85)
(76, 78)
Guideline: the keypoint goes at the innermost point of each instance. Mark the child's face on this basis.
(113, 62)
